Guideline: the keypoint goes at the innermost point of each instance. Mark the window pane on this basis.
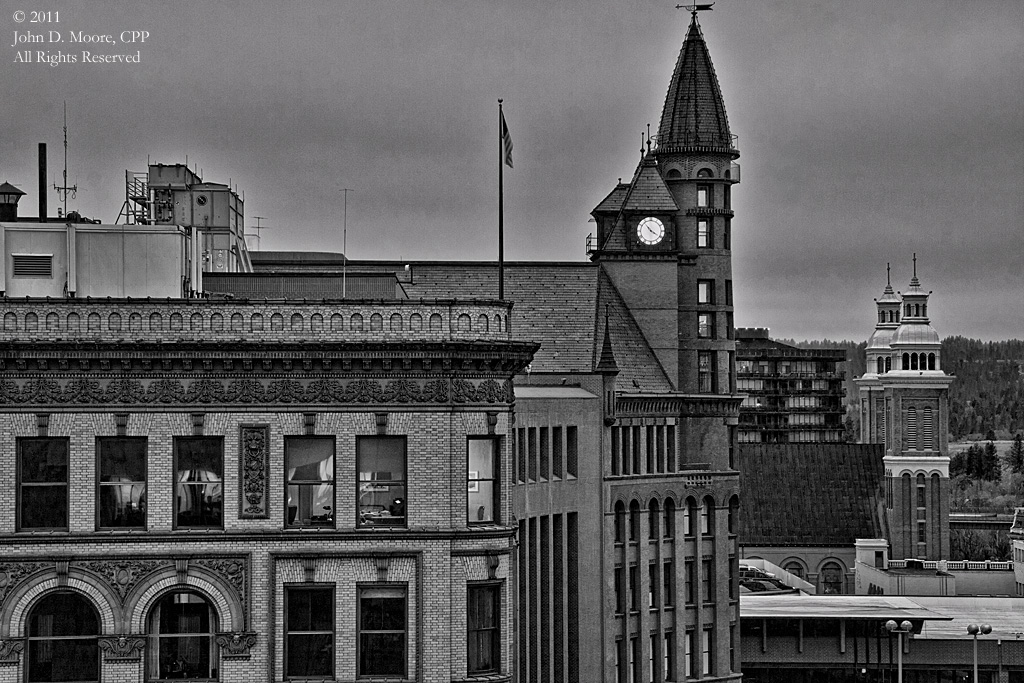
(310, 655)
(481, 457)
(184, 657)
(200, 493)
(310, 609)
(44, 460)
(382, 613)
(481, 501)
(76, 659)
(122, 505)
(381, 469)
(182, 626)
(44, 507)
(381, 654)
(64, 614)
(309, 459)
(122, 460)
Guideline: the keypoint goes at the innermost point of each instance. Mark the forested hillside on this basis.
(988, 394)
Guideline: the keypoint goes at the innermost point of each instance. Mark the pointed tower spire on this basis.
(607, 364)
(694, 113)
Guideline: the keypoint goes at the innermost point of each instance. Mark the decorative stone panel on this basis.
(122, 647)
(236, 645)
(10, 651)
(254, 471)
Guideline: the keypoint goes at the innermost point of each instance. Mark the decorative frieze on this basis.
(12, 573)
(270, 392)
(123, 575)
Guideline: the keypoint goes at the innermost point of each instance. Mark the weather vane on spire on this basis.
(694, 8)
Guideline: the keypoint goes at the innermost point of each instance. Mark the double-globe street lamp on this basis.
(975, 630)
(900, 629)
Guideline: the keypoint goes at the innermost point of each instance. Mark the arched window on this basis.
(297, 322)
(832, 580)
(653, 518)
(62, 645)
(924, 310)
(906, 361)
(620, 522)
(673, 173)
(908, 310)
(707, 516)
(881, 316)
(181, 630)
(669, 529)
(634, 521)
(795, 568)
(704, 173)
(881, 365)
(913, 361)
(931, 361)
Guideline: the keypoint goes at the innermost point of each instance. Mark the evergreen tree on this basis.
(1015, 456)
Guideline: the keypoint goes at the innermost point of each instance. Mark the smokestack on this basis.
(42, 182)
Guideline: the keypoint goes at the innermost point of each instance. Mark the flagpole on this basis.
(501, 204)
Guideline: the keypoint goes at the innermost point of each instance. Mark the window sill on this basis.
(484, 678)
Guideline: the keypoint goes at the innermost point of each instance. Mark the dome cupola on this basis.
(915, 343)
(878, 349)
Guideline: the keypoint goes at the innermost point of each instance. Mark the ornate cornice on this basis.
(681, 405)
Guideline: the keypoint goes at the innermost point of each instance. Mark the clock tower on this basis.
(665, 237)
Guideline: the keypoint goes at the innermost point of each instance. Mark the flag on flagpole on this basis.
(506, 140)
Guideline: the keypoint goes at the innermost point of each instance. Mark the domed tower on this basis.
(916, 398)
(879, 362)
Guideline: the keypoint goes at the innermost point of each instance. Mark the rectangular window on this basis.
(705, 652)
(670, 583)
(728, 292)
(921, 536)
(670, 447)
(727, 196)
(483, 479)
(634, 588)
(32, 265)
(730, 332)
(571, 454)
(626, 449)
(688, 579)
(483, 603)
(669, 654)
(545, 455)
(705, 291)
(199, 476)
(121, 464)
(309, 478)
(556, 453)
(649, 449)
(705, 239)
(636, 449)
(309, 631)
(616, 452)
(727, 234)
(43, 483)
(652, 585)
(703, 195)
(620, 593)
(706, 372)
(706, 325)
(691, 655)
(382, 631)
(706, 588)
(381, 473)
(531, 455)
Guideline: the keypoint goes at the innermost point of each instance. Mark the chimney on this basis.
(42, 182)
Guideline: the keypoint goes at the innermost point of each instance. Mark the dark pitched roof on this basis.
(562, 306)
(810, 494)
(648, 192)
(694, 111)
(613, 202)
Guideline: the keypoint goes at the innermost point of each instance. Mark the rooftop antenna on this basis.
(259, 239)
(63, 191)
(344, 246)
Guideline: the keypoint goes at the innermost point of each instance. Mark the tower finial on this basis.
(915, 264)
(888, 279)
(648, 138)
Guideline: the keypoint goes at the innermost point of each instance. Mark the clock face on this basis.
(650, 230)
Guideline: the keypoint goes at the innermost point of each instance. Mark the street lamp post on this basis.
(975, 630)
(899, 629)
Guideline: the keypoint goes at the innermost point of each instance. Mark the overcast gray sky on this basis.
(868, 130)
